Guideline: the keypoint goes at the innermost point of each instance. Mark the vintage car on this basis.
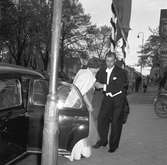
(22, 103)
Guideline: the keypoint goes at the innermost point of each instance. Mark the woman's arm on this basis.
(99, 85)
(88, 103)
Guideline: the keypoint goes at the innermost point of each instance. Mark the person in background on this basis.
(145, 85)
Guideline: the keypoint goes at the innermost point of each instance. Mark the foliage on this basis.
(25, 31)
(74, 25)
(149, 51)
(98, 40)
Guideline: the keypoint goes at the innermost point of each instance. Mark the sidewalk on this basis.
(143, 142)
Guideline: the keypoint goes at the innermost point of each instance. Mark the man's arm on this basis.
(126, 81)
(99, 80)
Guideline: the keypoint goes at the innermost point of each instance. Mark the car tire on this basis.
(80, 149)
(160, 109)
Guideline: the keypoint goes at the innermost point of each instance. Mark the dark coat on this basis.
(118, 80)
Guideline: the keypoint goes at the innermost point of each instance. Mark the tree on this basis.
(98, 40)
(25, 31)
(74, 28)
(149, 51)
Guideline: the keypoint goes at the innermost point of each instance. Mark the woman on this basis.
(85, 80)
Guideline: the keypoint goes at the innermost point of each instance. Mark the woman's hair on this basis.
(93, 63)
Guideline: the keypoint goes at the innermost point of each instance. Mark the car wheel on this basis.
(80, 149)
(160, 109)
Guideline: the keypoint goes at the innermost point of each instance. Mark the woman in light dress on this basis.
(85, 82)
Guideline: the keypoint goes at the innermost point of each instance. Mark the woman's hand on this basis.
(88, 103)
(90, 108)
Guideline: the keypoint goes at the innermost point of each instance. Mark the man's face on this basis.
(110, 61)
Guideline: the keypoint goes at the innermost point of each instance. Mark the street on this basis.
(109, 47)
(143, 142)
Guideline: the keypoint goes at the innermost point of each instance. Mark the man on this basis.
(113, 81)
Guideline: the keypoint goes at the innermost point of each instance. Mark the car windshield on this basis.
(10, 93)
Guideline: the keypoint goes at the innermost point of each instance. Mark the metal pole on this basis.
(50, 131)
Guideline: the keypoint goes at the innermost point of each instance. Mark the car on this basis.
(23, 95)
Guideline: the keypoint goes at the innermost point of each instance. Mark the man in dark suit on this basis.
(113, 81)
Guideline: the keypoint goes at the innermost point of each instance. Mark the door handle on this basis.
(81, 118)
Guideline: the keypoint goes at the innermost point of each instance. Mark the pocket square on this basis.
(114, 78)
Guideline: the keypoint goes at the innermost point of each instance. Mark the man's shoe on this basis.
(99, 144)
(112, 150)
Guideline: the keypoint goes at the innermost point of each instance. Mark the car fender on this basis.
(79, 132)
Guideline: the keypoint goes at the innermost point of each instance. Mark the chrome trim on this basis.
(17, 158)
(60, 152)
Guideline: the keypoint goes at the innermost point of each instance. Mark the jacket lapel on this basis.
(105, 76)
(113, 73)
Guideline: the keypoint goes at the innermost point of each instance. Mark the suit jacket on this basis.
(118, 80)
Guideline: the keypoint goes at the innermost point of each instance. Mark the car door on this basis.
(13, 123)
(72, 115)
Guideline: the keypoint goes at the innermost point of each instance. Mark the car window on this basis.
(40, 92)
(68, 97)
(10, 93)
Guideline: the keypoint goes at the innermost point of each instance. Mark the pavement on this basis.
(143, 141)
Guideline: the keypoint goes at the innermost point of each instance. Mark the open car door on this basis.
(73, 115)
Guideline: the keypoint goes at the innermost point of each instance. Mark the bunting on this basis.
(120, 20)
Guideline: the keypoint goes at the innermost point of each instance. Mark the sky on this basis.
(145, 14)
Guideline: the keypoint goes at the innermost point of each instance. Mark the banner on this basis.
(123, 12)
(120, 20)
(163, 23)
(163, 44)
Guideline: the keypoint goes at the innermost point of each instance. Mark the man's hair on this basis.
(110, 54)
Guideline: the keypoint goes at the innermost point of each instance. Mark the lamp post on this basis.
(50, 130)
(141, 67)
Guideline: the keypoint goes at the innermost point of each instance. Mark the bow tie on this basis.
(108, 70)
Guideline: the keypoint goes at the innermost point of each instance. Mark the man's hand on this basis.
(99, 85)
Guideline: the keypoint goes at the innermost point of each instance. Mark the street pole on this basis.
(51, 128)
(141, 67)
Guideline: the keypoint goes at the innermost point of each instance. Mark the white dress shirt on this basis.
(109, 71)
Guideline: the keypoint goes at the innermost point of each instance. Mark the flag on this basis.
(120, 20)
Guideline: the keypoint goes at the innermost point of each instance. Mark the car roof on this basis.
(15, 70)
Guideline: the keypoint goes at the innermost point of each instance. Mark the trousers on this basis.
(111, 112)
